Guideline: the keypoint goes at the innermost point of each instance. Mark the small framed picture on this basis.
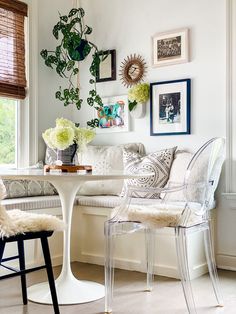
(170, 107)
(107, 67)
(170, 47)
(114, 115)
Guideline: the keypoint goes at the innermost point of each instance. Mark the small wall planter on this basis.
(139, 111)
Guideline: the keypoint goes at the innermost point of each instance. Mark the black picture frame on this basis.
(170, 107)
(107, 68)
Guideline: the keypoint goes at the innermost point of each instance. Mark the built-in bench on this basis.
(91, 211)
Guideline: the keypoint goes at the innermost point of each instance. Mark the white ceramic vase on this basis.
(139, 111)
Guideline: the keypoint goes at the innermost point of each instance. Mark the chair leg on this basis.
(21, 251)
(150, 241)
(2, 247)
(48, 263)
(182, 256)
(212, 265)
(109, 267)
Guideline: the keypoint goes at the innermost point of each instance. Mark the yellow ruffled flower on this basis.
(83, 137)
(63, 123)
(47, 138)
(62, 137)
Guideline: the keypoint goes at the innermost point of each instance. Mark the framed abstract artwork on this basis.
(114, 115)
(170, 47)
(107, 67)
(170, 107)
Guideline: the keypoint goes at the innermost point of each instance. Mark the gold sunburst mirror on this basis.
(132, 70)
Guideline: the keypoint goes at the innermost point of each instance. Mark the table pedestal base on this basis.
(70, 291)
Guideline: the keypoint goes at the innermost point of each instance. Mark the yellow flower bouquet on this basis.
(65, 134)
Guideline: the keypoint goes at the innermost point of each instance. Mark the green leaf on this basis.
(48, 63)
(93, 123)
(72, 12)
(44, 53)
(58, 51)
(78, 104)
(91, 81)
(56, 29)
(64, 18)
(58, 95)
(98, 100)
(66, 92)
(90, 101)
(70, 65)
(75, 71)
(132, 105)
(92, 92)
(52, 59)
(81, 12)
(88, 30)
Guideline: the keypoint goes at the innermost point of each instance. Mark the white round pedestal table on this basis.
(70, 290)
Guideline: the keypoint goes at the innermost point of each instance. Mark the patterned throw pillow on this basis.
(25, 188)
(158, 162)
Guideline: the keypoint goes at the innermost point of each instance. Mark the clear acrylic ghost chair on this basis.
(192, 215)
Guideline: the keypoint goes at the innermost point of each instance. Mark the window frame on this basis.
(27, 124)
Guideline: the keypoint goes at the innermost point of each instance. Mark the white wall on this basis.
(127, 26)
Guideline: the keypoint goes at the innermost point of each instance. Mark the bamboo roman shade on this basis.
(12, 49)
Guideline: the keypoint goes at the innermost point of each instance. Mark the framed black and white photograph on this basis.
(170, 47)
(170, 107)
(107, 67)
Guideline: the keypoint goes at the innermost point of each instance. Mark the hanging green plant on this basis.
(74, 47)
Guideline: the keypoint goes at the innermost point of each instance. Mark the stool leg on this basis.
(2, 247)
(48, 263)
(21, 251)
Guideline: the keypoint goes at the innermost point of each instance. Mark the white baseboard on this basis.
(136, 265)
(224, 261)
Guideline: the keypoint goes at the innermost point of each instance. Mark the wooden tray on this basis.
(67, 168)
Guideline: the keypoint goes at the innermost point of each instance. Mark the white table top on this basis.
(39, 174)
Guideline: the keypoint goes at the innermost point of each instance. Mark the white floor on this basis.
(166, 297)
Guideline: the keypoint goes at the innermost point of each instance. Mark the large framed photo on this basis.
(107, 67)
(170, 107)
(114, 115)
(170, 47)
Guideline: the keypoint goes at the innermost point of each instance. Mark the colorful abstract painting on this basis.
(113, 117)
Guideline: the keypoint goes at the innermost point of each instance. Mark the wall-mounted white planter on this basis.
(139, 111)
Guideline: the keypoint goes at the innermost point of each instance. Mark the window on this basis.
(18, 102)
(8, 132)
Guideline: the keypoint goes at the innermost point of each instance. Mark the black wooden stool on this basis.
(43, 236)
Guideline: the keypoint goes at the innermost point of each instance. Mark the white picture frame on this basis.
(114, 116)
(170, 47)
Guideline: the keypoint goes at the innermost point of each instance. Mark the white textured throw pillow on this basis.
(158, 162)
(177, 174)
(110, 157)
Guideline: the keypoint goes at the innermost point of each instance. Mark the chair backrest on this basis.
(203, 173)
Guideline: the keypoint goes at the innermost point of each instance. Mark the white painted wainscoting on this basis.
(130, 249)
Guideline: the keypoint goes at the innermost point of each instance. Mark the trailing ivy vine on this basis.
(74, 47)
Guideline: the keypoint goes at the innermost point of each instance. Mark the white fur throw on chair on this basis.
(15, 221)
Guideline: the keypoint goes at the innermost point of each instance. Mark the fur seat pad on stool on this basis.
(15, 221)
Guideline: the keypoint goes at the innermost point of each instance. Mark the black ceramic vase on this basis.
(68, 156)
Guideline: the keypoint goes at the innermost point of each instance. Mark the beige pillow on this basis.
(158, 162)
(109, 157)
